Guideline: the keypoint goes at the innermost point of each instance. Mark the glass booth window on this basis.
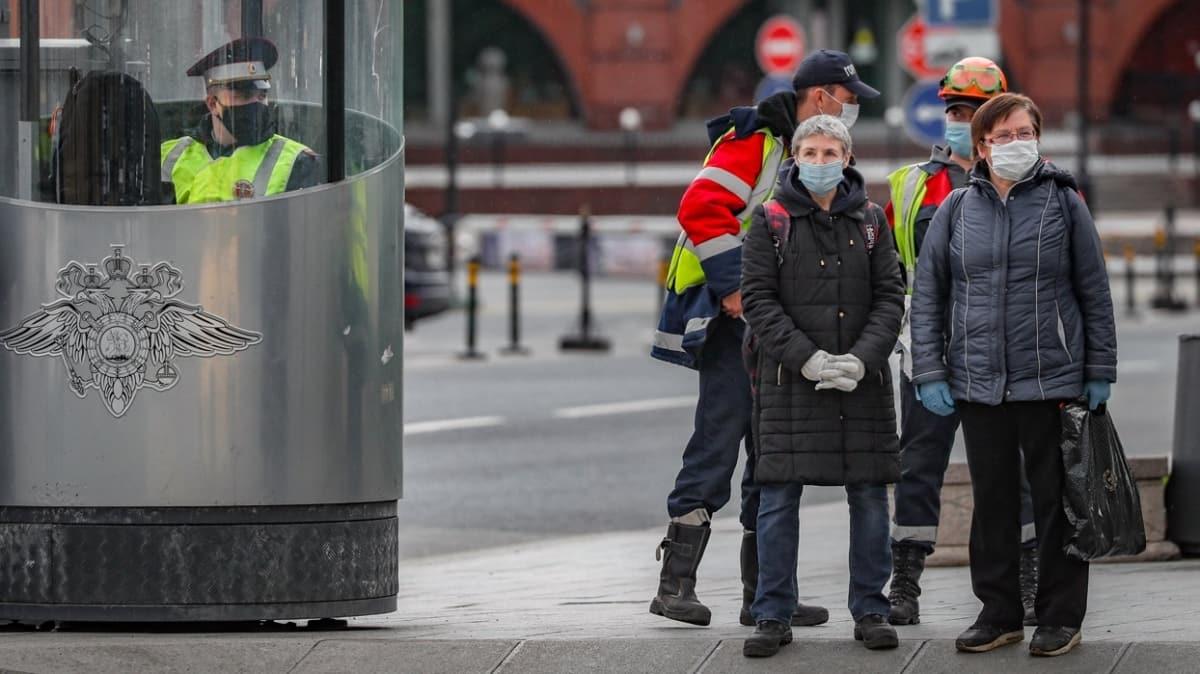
(143, 102)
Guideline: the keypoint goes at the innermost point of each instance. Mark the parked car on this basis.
(426, 277)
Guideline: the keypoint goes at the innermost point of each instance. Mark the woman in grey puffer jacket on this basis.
(1012, 315)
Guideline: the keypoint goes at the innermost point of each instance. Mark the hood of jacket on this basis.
(851, 197)
(776, 112)
(1043, 170)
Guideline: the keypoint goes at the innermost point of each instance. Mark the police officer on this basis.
(235, 152)
(925, 438)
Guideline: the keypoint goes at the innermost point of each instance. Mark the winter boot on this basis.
(1029, 583)
(804, 616)
(680, 552)
(908, 562)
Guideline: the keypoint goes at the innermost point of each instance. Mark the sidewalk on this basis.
(580, 605)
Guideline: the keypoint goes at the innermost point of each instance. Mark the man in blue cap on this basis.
(235, 153)
(701, 324)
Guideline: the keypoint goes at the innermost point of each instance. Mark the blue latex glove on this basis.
(1097, 392)
(935, 396)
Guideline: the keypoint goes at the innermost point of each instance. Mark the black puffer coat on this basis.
(828, 293)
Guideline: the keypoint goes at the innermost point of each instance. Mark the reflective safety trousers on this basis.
(689, 305)
(251, 171)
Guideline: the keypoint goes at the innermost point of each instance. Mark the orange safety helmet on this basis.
(975, 78)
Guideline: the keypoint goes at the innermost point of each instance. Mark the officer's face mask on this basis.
(250, 123)
(849, 111)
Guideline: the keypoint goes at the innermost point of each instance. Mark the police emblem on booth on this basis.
(118, 330)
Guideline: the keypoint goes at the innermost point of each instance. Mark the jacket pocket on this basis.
(1062, 332)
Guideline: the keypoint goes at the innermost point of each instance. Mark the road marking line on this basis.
(625, 407)
(451, 424)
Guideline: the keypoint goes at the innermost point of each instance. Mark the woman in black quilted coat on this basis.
(825, 305)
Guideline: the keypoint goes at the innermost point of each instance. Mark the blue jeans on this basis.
(722, 423)
(925, 443)
(779, 545)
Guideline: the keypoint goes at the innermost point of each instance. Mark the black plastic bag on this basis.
(1100, 496)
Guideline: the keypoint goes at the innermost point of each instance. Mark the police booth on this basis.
(200, 371)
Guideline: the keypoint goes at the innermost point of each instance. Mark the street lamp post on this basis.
(1194, 115)
(498, 122)
(1084, 56)
(630, 120)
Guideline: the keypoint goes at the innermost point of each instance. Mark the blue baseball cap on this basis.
(827, 66)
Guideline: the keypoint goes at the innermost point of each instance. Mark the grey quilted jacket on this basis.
(1012, 301)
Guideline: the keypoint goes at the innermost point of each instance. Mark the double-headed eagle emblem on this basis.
(120, 330)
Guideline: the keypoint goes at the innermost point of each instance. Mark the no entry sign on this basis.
(779, 45)
(910, 46)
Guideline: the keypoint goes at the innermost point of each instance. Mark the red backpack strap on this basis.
(779, 221)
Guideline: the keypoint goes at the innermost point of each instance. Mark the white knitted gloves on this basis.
(840, 372)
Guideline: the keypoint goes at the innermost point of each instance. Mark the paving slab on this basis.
(832, 656)
(366, 656)
(642, 656)
(939, 656)
(196, 655)
(1160, 658)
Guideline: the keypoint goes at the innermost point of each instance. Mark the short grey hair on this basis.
(822, 125)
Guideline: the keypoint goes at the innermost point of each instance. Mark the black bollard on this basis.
(472, 310)
(1183, 488)
(1130, 281)
(514, 347)
(584, 340)
(1164, 240)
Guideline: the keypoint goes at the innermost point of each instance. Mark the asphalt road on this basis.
(516, 448)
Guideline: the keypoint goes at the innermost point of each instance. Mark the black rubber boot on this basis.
(804, 616)
(908, 562)
(680, 552)
(1029, 583)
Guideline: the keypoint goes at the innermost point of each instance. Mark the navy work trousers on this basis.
(925, 443)
(722, 423)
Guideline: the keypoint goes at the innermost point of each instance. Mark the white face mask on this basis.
(1013, 160)
(849, 113)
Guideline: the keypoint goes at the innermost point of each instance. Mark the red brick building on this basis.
(640, 53)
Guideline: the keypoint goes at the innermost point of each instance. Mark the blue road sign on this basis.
(941, 13)
(924, 113)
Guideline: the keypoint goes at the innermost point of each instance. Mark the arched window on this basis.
(497, 57)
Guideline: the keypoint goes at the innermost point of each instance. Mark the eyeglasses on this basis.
(988, 79)
(1005, 137)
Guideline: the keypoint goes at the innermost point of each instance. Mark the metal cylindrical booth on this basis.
(200, 406)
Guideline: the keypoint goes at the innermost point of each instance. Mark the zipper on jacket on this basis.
(779, 375)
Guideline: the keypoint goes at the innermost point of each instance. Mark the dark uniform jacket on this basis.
(827, 293)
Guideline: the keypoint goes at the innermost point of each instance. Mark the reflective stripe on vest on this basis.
(253, 171)
(182, 158)
(168, 165)
(907, 186)
(685, 270)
